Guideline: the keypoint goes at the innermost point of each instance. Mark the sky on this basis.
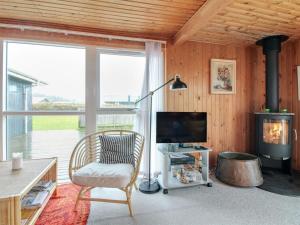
(121, 76)
(63, 69)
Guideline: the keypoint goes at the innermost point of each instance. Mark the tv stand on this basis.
(182, 145)
(199, 147)
(167, 181)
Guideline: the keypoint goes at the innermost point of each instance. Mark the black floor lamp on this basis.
(149, 187)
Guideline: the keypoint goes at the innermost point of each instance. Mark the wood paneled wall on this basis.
(228, 115)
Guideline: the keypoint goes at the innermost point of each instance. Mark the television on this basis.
(181, 127)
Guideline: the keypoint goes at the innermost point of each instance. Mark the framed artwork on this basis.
(222, 76)
(298, 78)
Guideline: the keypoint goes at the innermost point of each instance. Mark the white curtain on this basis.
(154, 77)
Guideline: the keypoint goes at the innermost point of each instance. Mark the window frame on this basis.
(5, 43)
(2, 100)
(92, 87)
(3, 95)
(122, 52)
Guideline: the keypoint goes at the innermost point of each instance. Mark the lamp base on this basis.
(149, 188)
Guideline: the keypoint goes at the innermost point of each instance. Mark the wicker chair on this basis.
(88, 151)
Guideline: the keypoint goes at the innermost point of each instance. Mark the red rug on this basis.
(60, 208)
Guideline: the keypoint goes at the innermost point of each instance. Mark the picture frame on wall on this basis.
(298, 79)
(223, 76)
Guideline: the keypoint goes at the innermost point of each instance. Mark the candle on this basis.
(17, 160)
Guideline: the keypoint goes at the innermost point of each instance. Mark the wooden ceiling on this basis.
(245, 21)
(140, 18)
(214, 21)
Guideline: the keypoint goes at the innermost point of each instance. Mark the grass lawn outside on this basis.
(70, 123)
(55, 123)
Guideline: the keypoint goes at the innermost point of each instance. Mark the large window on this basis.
(121, 79)
(45, 111)
(45, 101)
(45, 77)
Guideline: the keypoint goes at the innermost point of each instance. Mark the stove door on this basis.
(274, 135)
(276, 131)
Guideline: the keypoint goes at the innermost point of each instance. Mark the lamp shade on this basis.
(178, 84)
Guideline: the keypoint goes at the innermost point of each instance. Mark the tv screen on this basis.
(181, 127)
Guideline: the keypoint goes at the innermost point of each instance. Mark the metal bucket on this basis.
(239, 169)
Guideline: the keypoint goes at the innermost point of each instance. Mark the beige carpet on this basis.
(219, 205)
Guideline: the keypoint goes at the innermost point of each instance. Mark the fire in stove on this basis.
(275, 131)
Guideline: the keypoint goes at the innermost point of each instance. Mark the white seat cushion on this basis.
(103, 175)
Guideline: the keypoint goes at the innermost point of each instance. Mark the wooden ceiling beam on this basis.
(200, 19)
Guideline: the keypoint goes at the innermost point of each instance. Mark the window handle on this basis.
(295, 134)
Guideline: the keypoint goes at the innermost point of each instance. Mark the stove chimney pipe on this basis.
(271, 48)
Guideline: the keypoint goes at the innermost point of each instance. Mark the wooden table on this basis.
(14, 185)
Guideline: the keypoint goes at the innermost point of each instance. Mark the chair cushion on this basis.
(117, 149)
(103, 175)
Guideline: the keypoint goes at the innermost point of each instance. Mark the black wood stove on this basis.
(273, 128)
(274, 140)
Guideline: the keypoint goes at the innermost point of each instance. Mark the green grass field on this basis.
(68, 123)
(55, 123)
